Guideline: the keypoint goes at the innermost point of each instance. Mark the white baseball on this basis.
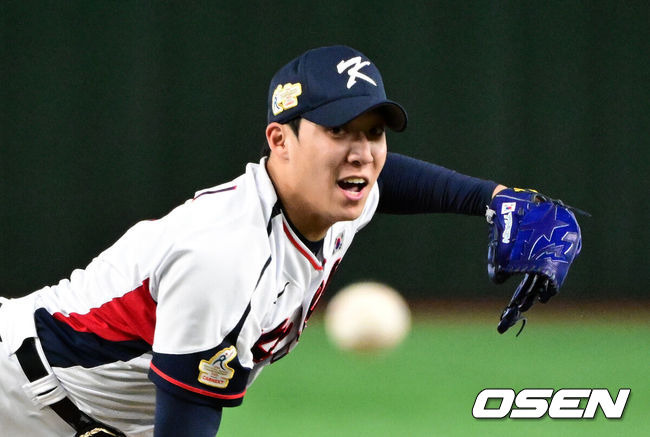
(367, 316)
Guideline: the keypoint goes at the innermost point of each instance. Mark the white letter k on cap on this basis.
(354, 65)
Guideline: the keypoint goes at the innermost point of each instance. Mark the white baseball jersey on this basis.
(198, 302)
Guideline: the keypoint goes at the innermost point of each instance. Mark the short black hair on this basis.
(294, 124)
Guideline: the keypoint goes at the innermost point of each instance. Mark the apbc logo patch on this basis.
(285, 97)
(215, 372)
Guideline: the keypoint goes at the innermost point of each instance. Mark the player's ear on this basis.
(276, 137)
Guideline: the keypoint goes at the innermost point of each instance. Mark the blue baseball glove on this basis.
(533, 235)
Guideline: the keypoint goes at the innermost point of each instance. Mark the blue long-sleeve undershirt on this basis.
(411, 186)
(176, 416)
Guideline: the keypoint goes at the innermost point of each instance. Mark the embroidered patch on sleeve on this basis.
(216, 372)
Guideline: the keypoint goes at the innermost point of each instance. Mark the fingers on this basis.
(531, 285)
(512, 313)
(509, 318)
(522, 289)
(547, 291)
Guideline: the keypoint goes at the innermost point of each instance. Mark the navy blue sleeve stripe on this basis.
(66, 347)
(180, 375)
(411, 186)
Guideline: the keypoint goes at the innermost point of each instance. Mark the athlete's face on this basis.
(331, 171)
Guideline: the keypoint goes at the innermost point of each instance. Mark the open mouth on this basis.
(352, 184)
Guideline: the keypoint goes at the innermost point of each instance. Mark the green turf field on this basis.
(428, 385)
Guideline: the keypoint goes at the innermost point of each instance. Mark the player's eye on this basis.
(337, 130)
(377, 131)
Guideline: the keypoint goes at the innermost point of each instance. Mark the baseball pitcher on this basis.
(174, 321)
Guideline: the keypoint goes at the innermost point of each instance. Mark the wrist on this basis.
(498, 189)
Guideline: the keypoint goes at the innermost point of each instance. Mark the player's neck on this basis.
(314, 246)
(310, 225)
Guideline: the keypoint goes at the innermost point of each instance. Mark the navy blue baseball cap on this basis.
(330, 86)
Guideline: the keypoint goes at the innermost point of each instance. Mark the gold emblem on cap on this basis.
(285, 97)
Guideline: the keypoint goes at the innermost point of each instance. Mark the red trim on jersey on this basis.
(128, 317)
(216, 191)
(194, 389)
(305, 253)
